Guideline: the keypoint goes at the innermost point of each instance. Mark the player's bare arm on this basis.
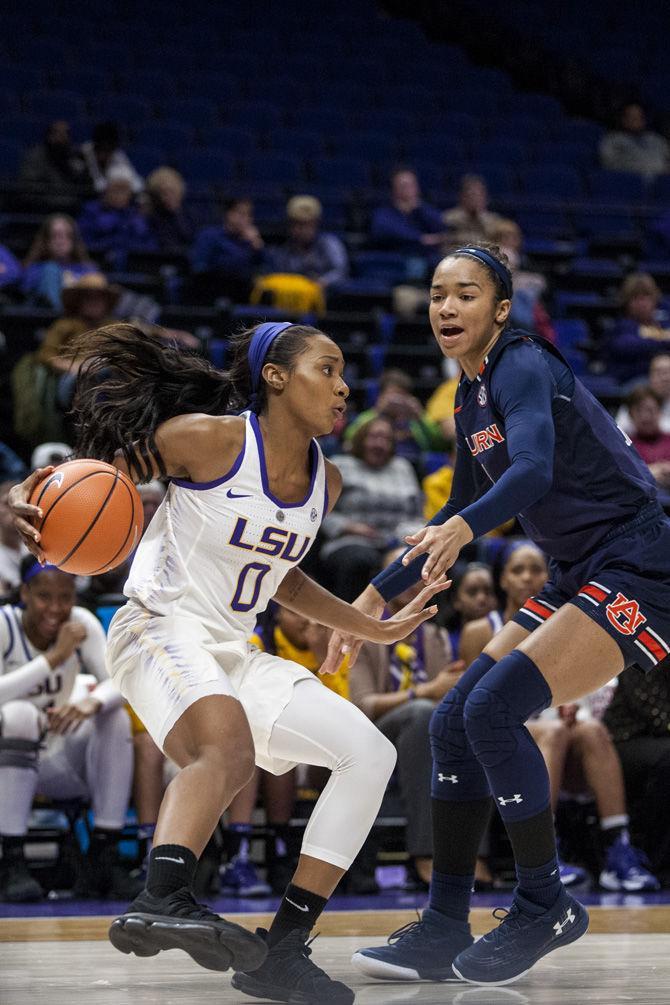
(194, 446)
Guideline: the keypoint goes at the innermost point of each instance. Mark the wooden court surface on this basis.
(62, 961)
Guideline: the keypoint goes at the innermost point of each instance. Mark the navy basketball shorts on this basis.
(624, 586)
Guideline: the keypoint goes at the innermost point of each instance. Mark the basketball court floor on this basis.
(57, 953)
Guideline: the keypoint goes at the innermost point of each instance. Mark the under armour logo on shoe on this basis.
(447, 778)
(166, 858)
(568, 920)
(516, 798)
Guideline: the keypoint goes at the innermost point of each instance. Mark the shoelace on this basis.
(508, 917)
(188, 907)
(407, 932)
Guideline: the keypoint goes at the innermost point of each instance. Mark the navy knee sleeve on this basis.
(494, 716)
(457, 774)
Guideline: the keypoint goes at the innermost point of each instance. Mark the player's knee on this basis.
(550, 734)
(114, 726)
(489, 726)
(369, 752)
(448, 741)
(591, 735)
(21, 720)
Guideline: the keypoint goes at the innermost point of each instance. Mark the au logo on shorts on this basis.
(625, 615)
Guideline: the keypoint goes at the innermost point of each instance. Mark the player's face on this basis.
(316, 390)
(464, 313)
(524, 575)
(48, 597)
(475, 597)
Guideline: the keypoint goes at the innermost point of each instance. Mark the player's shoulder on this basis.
(201, 424)
(476, 631)
(7, 621)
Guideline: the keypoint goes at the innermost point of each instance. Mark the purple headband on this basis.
(501, 272)
(35, 569)
(260, 344)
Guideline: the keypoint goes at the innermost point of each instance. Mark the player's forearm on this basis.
(19, 683)
(302, 595)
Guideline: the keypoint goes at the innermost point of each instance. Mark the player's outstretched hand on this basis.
(442, 543)
(341, 644)
(23, 513)
(408, 618)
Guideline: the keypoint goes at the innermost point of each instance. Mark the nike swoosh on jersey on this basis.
(166, 858)
(237, 495)
(296, 905)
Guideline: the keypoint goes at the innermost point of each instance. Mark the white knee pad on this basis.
(22, 720)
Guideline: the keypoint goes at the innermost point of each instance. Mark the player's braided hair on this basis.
(131, 380)
(495, 251)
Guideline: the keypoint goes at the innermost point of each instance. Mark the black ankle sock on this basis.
(103, 838)
(299, 909)
(171, 866)
(533, 840)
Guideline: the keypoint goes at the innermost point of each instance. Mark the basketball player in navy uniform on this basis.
(247, 495)
(56, 738)
(533, 444)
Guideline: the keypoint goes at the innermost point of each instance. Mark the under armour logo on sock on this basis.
(447, 778)
(288, 901)
(516, 798)
(568, 920)
(166, 858)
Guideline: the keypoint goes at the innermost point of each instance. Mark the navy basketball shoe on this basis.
(423, 950)
(289, 975)
(526, 934)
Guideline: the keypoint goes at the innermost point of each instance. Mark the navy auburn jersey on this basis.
(576, 474)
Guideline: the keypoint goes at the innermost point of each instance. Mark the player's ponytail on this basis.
(131, 380)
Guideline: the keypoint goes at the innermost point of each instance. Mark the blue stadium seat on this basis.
(255, 115)
(543, 222)
(157, 85)
(616, 186)
(386, 267)
(323, 119)
(501, 179)
(238, 142)
(86, 81)
(198, 113)
(122, 108)
(279, 169)
(443, 145)
(577, 129)
(575, 153)
(11, 152)
(206, 166)
(371, 145)
(506, 152)
(27, 130)
(307, 143)
(556, 182)
(571, 332)
(167, 137)
(18, 77)
(146, 158)
(388, 120)
(351, 172)
(525, 127)
(55, 104)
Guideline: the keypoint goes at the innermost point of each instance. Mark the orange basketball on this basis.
(92, 517)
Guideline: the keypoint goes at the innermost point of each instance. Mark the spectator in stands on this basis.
(75, 743)
(397, 687)
(471, 220)
(651, 443)
(633, 147)
(642, 332)
(638, 719)
(45, 454)
(407, 223)
(12, 549)
(55, 165)
(472, 596)
(307, 251)
(112, 224)
(87, 303)
(528, 310)
(230, 254)
(659, 382)
(103, 154)
(56, 257)
(10, 271)
(414, 432)
(380, 502)
(170, 221)
(12, 468)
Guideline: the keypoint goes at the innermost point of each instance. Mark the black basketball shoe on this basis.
(152, 924)
(288, 975)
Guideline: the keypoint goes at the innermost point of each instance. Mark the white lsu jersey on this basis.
(34, 679)
(218, 551)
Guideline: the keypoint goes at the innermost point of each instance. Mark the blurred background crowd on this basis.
(226, 165)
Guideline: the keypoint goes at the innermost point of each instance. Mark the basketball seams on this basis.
(110, 563)
(90, 527)
(91, 474)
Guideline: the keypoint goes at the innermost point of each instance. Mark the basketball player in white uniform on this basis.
(247, 495)
(56, 738)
